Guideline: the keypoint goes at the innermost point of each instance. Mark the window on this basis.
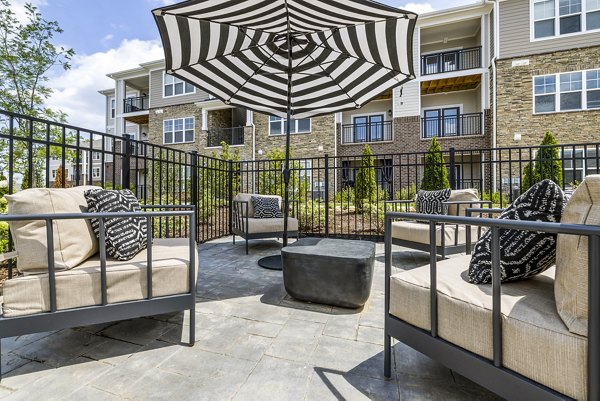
(563, 17)
(113, 107)
(578, 163)
(174, 86)
(578, 90)
(179, 130)
(54, 173)
(96, 172)
(95, 155)
(277, 126)
(306, 172)
(593, 89)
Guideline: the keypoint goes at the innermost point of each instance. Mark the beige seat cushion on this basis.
(258, 226)
(419, 232)
(536, 343)
(571, 285)
(74, 240)
(243, 197)
(462, 195)
(126, 281)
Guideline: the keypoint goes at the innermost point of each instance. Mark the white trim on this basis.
(283, 127)
(173, 121)
(175, 95)
(557, 18)
(112, 112)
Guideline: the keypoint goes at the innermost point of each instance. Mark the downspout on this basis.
(494, 91)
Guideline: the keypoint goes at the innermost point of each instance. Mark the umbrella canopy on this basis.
(305, 57)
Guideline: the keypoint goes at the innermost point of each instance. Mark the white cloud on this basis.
(418, 8)
(76, 90)
(18, 7)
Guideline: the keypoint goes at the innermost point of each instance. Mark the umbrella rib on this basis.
(330, 77)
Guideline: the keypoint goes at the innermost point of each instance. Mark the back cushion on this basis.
(244, 197)
(462, 195)
(571, 282)
(74, 240)
(432, 202)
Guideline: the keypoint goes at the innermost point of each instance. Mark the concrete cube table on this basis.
(329, 271)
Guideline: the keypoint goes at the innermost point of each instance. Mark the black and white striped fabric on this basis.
(522, 253)
(344, 52)
(125, 237)
(266, 207)
(432, 202)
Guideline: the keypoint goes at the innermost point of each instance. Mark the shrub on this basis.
(3, 236)
(365, 188)
(436, 175)
(312, 216)
(407, 193)
(547, 164)
(497, 200)
(345, 196)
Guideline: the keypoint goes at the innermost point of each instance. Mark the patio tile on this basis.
(111, 351)
(88, 393)
(413, 363)
(342, 326)
(24, 375)
(296, 341)
(427, 390)
(264, 329)
(138, 331)
(13, 343)
(276, 379)
(12, 361)
(332, 385)
(159, 385)
(373, 335)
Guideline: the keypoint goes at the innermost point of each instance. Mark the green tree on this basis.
(270, 179)
(435, 176)
(365, 187)
(547, 164)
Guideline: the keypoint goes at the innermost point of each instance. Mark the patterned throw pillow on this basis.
(266, 207)
(522, 253)
(432, 202)
(125, 238)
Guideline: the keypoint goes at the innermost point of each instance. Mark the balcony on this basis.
(231, 136)
(452, 126)
(455, 60)
(364, 133)
(135, 109)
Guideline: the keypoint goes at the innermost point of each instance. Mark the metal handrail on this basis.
(135, 104)
(451, 126)
(231, 136)
(458, 60)
(368, 132)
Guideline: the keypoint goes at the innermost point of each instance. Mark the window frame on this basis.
(164, 85)
(282, 122)
(112, 107)
(557, 17)
(94, 175)
(558, 92)
(172, 120)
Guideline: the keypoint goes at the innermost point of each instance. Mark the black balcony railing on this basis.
(455, 60)
(231, 136)
(363, 133)
(451, 126)
(135, 104)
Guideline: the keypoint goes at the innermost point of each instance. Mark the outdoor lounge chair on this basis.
(512, 338)
(160, 279)
(249, 227)
(450, 238)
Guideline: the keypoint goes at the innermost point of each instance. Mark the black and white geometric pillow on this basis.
(266, 207)
(126, 237)
(522, 253)
(432, 202)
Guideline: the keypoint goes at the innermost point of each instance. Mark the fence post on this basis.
(126, 167)
(230, 193)
(194, 189)
(326, 195)
(452, 169)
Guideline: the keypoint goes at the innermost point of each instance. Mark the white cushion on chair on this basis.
(419, 232)
(243, 197)
(259, 226)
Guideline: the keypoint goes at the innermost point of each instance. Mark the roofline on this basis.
(454, 10)
(109, 91)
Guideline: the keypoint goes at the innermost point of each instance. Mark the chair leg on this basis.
(387, 355)
(193, 323)
(246, 246)
(233, 239)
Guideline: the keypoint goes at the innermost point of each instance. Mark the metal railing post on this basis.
(452, 168)
(230, 193)
(194, 184)
(126, 165)
(326, 195)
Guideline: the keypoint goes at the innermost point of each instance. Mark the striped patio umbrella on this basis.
(289, 58)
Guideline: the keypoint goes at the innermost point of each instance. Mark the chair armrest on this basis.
(240, 215)
(481, 211)
(168, 207)
(465, 203)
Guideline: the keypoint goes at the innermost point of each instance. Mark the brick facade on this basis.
(303, 145)
(515, 100)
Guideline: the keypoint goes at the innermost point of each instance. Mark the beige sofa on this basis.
(249, 227)
(450, 238)
(537, 348)
(73, 284)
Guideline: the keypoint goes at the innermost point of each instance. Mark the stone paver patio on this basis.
(253, 343)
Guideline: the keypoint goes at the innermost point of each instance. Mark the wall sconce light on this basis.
(390, 112)
(260, 152)
(517, 136)
(320, 148)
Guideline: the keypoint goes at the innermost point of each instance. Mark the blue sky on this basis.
(115, 35)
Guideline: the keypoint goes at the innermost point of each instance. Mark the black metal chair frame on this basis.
(68, 318)
(491, 373)
(239, 224)
(443, 250)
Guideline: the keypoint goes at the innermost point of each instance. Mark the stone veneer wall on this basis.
(219, 118)
(303, 145)
(515, 100)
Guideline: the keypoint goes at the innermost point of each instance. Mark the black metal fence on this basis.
(454, 60)
(231, 136)
(330, 199)
(453, 125)
(135, 104)
(370, 132)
